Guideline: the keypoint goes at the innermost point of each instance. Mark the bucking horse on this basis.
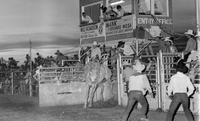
(95, 75)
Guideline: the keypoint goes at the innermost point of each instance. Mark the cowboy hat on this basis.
(181, 67)
(120, 43)
(189, 32)
(139, 67)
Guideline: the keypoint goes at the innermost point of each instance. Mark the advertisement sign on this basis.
(120, 26)
(155, 26)
(92, 31)
(151, 21)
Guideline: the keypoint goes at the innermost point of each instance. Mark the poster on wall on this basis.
(92, 31)
(120, 26)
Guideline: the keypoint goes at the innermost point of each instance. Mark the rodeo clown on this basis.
(138, 88)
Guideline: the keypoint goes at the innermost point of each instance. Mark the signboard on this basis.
(92, 31)
(120, 26)
(155, 26)
(166, 21)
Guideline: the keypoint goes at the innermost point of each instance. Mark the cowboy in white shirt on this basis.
(180, 89)
(127, 72)
(138, 87)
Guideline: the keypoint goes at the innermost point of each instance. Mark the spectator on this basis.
(59, 58)
(86, 19)
(37, 73)
(120, 11)
(125, 48)
(169, 46)
(191, 43)
(39, 60)
(110, 13)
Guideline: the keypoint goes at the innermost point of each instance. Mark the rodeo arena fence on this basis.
(159, 76)
(65, 85)
(16, 83)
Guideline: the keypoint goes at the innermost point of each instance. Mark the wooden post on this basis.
(162, 80)
(158, 91)
(30, 76)
(118, 79)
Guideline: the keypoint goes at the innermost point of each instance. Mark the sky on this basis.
(54, 25)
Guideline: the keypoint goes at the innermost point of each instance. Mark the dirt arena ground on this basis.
(19, 108)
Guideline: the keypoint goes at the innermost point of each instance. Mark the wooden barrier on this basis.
(65, 86)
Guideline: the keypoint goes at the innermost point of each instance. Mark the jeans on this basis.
(133, 98)
(177, 99)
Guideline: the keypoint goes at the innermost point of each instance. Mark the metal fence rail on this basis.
(15, 83)
(73, 73)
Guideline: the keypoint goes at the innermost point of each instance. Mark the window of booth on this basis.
(117, 8)
(93, 13)
(126, 5)
(154, 7)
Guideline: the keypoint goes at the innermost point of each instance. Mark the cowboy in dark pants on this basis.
(138, 86)
(180, 89)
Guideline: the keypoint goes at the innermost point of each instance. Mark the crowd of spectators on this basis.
(12, 69)
(50, 61)
(109, 13)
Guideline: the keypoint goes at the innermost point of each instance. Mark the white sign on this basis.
(167, 21)
(92, 31)
(120, 26)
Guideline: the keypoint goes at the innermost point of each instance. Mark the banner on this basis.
(92, 31)
(120, 26)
